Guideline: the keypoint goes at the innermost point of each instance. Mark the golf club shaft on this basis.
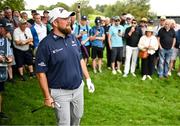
(38, 109)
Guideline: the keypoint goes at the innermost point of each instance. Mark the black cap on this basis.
(83, 17)
(45, 11)
(98, 20)
(5, 24)
(33, 11)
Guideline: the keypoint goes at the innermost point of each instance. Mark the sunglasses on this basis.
(117, 20)
(134, 22)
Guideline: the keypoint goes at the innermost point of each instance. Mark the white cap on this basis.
(59, 12)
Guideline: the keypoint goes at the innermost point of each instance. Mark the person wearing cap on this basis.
(116, 32)
(149, 43)
(143, 24)
(5, 58)
(108, 50)
(59, 67)
(31, 21)
(97, 37)
(23, 55)
(46, 13)
(132, 36)
(38, 30)
(82, 34)
(166, 40)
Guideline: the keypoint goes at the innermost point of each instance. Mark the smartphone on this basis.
(119, 31)
(79, 5)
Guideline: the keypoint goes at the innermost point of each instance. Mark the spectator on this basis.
(132, 36)
(97, 37)
(5, 58)
(23, 55)
(59, 67)
(82, 34)
(33, 13)
(38, 30)
(116, 32)
(149, 43)
(166, 39)
(108, 50)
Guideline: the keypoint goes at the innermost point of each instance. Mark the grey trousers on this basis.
(71, 105)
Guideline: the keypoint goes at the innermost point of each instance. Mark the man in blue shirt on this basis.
(116, 32)
(82, 34)
(59, 67)
(97, 36)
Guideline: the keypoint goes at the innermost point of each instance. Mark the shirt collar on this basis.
(56, 37)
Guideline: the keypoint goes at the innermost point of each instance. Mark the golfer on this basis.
(60, 68)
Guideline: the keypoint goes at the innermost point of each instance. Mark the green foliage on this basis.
(138, 8)
(59, 4)
(14, 4)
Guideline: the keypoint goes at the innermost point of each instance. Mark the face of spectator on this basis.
(83, 22)
(23, 26)
(8, 13)
(117, 22)
(24, 16)
(162, 22)
(37, 19)
(16, 14)
(167, 25)
(134, 23)
(1, 14)
(149, 33)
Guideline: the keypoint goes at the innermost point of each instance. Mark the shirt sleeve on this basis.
(16, 35)
(29, 34)
(42, 58)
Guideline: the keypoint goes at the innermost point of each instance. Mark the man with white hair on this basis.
(59, 66)
(166, 39)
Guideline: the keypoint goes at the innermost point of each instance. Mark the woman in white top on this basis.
(148, 42)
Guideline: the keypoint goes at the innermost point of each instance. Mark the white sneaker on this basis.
(109, 68)
(149, 77)
(114, 72)
(133, 74)
(95, 71)
(144, 77)
(100, 71)
(169, 73)
(119, 71)
(178, 74)
(124, 75)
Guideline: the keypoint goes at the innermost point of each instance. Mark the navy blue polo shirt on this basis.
(59, 58)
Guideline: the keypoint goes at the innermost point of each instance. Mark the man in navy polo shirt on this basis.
(60, 69)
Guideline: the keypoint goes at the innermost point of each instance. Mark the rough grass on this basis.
(116, 101)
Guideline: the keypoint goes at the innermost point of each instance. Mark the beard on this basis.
(66, 31)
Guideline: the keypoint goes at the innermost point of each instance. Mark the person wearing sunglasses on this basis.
(132, 36)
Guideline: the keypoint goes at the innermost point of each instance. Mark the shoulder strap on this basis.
(79, 29)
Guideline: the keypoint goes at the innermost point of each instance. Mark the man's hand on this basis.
(49, 102)
(90, 86)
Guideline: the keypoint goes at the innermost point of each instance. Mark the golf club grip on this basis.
(37, 109)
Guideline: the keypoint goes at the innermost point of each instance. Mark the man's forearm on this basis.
(44, 84)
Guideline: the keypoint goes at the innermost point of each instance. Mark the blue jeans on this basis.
(164, 60)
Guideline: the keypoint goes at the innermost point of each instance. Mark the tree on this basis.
(13, 4)
(59, 4)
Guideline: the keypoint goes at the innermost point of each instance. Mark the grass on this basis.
(116, 101)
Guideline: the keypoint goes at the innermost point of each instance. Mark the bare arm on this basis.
(84, 69)
(45, 89)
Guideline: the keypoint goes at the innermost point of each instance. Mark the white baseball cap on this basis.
(59, 12)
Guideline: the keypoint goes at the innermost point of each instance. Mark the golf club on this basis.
(41, 107)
